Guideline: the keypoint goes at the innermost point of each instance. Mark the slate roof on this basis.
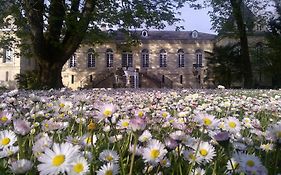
(166, 35)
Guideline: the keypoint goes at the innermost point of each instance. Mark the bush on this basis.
(28, 80)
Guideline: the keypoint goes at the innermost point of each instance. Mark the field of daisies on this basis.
(134, 132)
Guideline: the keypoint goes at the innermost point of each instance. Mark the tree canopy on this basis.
(56, 28)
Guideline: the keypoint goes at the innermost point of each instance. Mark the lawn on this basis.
(145, 131)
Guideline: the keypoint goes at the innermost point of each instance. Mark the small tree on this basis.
(225, 63)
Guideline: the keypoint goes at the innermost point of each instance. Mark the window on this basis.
(144, 33)
(109, 58)
(72, 61)
(127, 59)
(7, 76)
(181, 58)
(181, 79)
(72, 79)
(8, 55)
(91, 58)
(145, 58)
(91, 78)
(163, 58)
(199, 58)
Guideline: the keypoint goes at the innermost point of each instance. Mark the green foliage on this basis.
(28, 80)
(274, 47)
(225, 62)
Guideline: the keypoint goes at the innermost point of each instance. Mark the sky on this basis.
(195, 20)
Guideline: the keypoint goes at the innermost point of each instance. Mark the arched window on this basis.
(163, 58)
(199, 58)
(127, 59)
(8, 55)
(72, 61)
(181, 58)
(91, 58)
(145, 58)
(109, 58)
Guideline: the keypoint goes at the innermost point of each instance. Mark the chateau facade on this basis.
(171, 59)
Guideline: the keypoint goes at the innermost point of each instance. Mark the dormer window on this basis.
(144, 33)
(194, 34)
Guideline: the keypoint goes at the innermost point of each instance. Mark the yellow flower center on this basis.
(250, 163)
(164, 114)
(232, 124)
(108, 172)
(125, 123)
(4, 118)
(5, 141)
(58, 160)
(278, 134)
(207, 121)
(61, 105)
(109, 158)
(203, 152)
(91, 126)
(78, 168)
(191, 156)
(107, 112)
(140, 114)
(154, 153)
(88, 140)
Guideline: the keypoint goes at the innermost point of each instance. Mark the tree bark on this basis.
(50, 74)
(246, 68)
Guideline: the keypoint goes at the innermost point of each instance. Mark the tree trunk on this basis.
(246, 68)
(50, 74)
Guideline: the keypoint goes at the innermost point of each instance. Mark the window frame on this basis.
(145, 58)
(163, 58)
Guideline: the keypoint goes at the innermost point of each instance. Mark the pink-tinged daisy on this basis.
(105, 111)
(198, 171)
(109, 156)
(21, 127)
(189, 155)
(5, 117)
(154, 152)
(273, 133)
(7, 138)
(108, 169)
(57, 160)
(21, 166)
(8, 151)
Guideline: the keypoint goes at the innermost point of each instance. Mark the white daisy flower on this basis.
(7, 138)
(21, 166)
(198, 171)
(108, 169)
(58, 160)
(106, 110)
(109, 156)
(5, 117)
(79, 166)
(267, 147)
(154, 152)
(232, 124)
(123, 123)
(88, 140)
(146, 135)
(273, 133)
(249, 162)
(207, 120)
(205, 150)
(8, 151)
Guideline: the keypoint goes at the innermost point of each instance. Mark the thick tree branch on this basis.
(55, 21)
(76, 33)
(34, 12)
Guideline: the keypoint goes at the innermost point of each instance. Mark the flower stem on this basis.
(133, 155)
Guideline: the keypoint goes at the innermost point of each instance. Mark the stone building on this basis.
(171, 59)
(11, 60)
